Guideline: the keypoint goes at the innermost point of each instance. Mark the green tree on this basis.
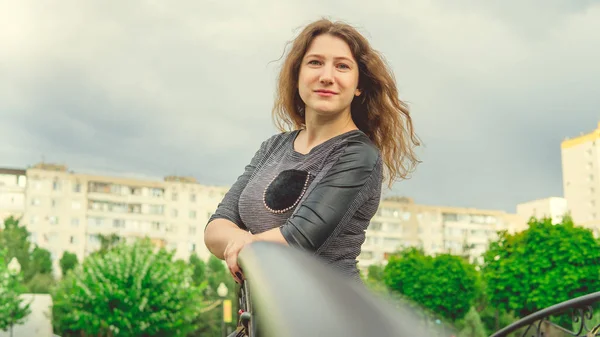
(40, 263)
(199, 268)
(39, 274)
(541, 266)
(41, 284)
(471, 326)
(446, 284)
(15, 239)
(209, 321)
(67, 262)
(107, 242)
(375, 273)
(131, 290)
(13, 309)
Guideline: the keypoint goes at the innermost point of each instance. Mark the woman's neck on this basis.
(322, 128)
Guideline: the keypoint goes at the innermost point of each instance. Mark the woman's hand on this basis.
(230, 255)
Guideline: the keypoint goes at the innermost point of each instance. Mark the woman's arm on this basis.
(345, 186)
(218, 233)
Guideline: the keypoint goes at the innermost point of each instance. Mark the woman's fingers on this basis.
(231, 255)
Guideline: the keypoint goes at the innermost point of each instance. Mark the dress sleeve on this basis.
(228, 208)
(345, 184)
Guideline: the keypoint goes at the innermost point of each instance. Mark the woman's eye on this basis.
(343, 66)
(314, 62)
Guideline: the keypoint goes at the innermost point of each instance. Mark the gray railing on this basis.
(292, 294)
(539, 324)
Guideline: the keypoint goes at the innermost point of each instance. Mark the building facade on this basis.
(400, 223)
(65, 211)
(12, 193)
(554, 207)
(581, 178)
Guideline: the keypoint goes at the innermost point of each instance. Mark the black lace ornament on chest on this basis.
(285, 191)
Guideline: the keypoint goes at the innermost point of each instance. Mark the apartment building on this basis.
(65, 211)
(554, 208)
(12, 193)
(401, 223)
(581, 178)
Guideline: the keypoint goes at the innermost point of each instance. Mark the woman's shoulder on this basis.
(359, 147)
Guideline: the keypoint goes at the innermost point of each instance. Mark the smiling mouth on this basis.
(325, 92)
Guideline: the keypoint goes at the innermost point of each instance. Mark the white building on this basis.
(12, 193)
(65, 211)
(581, 178)
(553, 207)
(401, 223)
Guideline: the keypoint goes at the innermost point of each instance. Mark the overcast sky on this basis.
(186, 87)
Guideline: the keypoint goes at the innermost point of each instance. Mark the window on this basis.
(174, 213)
(192, 247)
(174, 196)
(73, 240)
(53, 238)
(394, 227)
(75, 222)
(375, 226)
(193, 198)
(366, 255)
(53, 220)
(156, 209)
(93, 221)
(34, 219)
(155, 225)
(119, 223)
(391, 243)
(77, 187)
(192, 230)
(450, 217)
(157, 192)
(192, 214)
(76, 205)
(35, 202)
(56, 185)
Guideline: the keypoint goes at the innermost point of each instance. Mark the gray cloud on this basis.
(187, 88)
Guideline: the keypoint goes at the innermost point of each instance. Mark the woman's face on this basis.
(328, 78)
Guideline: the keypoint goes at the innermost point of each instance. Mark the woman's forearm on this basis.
(218, 233)
(272, 235)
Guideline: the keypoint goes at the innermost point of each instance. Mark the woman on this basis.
(317, 187)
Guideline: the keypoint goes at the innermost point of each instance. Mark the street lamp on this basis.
(13, 266)
(14, 269)
(222, 292)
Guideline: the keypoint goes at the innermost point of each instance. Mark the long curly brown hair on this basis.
(378, 112)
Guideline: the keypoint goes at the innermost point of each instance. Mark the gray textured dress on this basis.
(322, 201)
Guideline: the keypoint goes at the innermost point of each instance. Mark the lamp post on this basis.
(14, 269)
(222, 292)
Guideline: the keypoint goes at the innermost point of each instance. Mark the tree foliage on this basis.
(445, 284)
(40, 263)
(15, 239)
(13, 309)
(471, 326)
(131, 290)
(67, 262)
(541, 266)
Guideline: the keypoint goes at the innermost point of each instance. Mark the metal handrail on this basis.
(584, 312)
(297, 295)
